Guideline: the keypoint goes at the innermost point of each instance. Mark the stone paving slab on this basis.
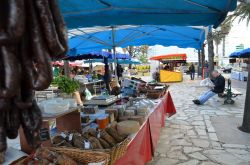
(227, 131)
(191, 136)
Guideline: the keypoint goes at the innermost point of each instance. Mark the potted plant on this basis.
(66, 85)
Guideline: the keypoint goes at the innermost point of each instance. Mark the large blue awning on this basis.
(89, 13)
(182, 37)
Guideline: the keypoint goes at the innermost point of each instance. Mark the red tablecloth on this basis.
(141, 148)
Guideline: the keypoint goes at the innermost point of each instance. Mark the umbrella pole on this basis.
(115, 62)
(114, 53)
(106, 74)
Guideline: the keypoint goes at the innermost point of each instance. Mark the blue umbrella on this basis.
(82, 41)
(119, 61)
(234, 55)
(245, 53)
(89, 13)
(241, 54)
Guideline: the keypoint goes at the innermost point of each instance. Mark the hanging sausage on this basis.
(32, 32)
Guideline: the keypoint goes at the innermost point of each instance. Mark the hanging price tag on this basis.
(44, 134)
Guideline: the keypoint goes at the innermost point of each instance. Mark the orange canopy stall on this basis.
(170, 57)
(168, 73)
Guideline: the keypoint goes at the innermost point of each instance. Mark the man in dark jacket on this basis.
(219, 86)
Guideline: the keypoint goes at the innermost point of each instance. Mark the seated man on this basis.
(219, 86)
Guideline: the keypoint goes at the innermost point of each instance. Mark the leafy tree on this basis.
(139, 52)
(242, 12)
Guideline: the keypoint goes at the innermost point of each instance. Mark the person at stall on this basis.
(206, 71)
(94, 76)
(56, 71)
(192, 71)
(72, 74)
(167, 67)
(119, 71)
(219, 87)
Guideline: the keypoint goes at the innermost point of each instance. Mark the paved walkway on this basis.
(190, 138)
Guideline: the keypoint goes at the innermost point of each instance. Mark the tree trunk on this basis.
(223, 46)
(246, 117)
(66, 68)
(202, 61)
(217, 49)
(199, 63)
(131, 53)
(210, 44)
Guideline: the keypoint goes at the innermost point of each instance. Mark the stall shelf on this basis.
(67, 121)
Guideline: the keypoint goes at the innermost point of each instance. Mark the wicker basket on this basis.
(83, 156)
(117, 151)
(154, 94)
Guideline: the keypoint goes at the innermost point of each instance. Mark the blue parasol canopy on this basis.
(183, 37)
(241, 54)
(119, 61)
(97, 55)
(89, 13)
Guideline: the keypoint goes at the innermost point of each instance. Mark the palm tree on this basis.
(220, 34)
(216, 37)
(210, 44)
(243, 13)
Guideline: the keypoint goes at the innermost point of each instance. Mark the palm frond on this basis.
(242, 12)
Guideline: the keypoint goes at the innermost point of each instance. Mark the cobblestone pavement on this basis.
(189, 137)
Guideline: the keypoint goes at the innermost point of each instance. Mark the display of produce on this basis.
(64, 156)
(92, 139)
(46, 156)
(90, 109)
(139, 119)
(104, 129)
(127, 127)
(31, 33)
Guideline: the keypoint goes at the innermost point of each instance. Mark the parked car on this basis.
(227, 69)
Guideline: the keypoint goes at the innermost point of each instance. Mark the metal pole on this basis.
(203, 60)
(114, 52)
(199, 63)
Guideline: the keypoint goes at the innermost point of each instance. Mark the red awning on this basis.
(169, 57)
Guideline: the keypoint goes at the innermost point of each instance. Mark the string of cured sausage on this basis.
(32, 32)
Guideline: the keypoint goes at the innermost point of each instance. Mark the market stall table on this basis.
(141, 148)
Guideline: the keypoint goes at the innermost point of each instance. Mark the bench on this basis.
(235, 92)
(229, 93)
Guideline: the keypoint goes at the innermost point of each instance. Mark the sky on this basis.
(239, 34)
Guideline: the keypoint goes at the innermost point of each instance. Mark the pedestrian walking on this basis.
(219, 87)
(192, 71)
